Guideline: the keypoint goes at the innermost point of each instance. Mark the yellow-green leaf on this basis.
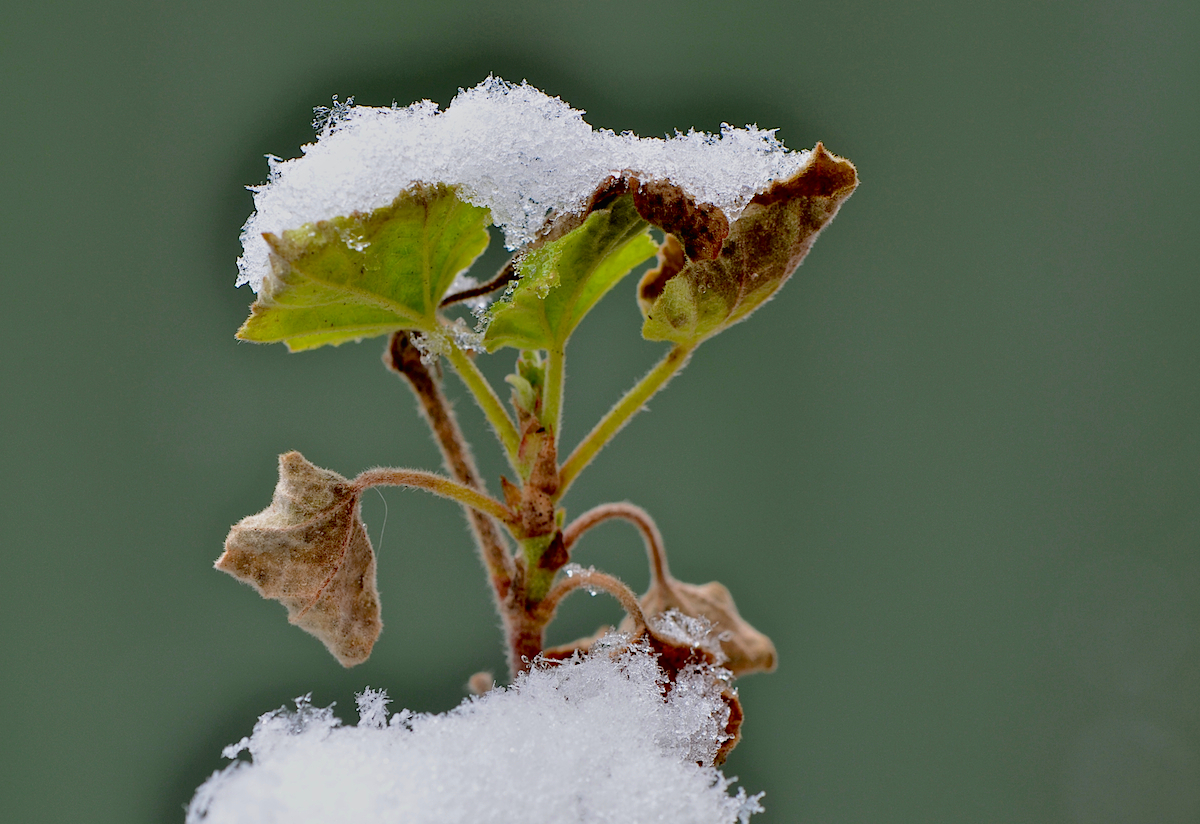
(562, 280)
(367, 274)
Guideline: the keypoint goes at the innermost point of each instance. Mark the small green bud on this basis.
(532, 367)
(524, 399)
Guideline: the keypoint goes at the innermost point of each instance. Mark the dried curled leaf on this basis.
(309, 551)
(746, 650)
(742, 649)
(702, 227)
(671, 260)
(688, 300)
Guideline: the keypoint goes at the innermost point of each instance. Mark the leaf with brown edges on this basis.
(689, 298)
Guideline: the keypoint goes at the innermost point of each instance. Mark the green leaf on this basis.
(687, 300)
(564, 278)
(367, 274)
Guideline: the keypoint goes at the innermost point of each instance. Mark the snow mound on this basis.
(593, 739)
(511, 148)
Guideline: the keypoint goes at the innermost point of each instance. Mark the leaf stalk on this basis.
(655, 548)
(489, 402)
(439, 485)
(552, 397)
(590, 578)
(621, 413)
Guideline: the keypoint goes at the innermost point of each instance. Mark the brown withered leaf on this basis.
(700, 227)
(309, 551)
(746, 649)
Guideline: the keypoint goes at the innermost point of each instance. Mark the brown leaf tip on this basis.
(824, 175)
(309, 550)
(671, 261)
(733, 727)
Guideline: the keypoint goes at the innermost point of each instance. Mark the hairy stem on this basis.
(526, 640)
(589, 578)
(404, 358)
(635, 515)
(438, 485)
(620, 414)
(489, 402)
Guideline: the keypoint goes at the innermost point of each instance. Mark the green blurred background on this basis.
(951, 468)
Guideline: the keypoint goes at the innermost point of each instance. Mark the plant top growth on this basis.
(373, 232)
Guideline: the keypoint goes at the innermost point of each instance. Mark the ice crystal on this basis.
(512, 148)
(595, 738)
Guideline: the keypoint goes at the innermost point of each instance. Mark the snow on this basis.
(593, 739)
(511, 148)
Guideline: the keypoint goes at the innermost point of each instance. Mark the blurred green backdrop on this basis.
(951, 468)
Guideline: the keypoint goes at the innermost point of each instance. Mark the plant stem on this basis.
(403, 357)
(489, 402)
(526, 639)
(635, 515)
(620, 414)
(438, 485)
(552, 392)
(506, 275)
(600, 580)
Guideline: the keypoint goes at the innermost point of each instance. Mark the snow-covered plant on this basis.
(371, 233)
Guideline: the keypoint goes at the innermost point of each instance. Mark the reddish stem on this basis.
(404, 358)
(635, 515)
(587, 578)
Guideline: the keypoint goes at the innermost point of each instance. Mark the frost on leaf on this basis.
(366, 274)
(513, 150)
(689, 298)
(744, 648)
(309, 551)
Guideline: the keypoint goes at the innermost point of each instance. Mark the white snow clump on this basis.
(593, 739)
(512, 148)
